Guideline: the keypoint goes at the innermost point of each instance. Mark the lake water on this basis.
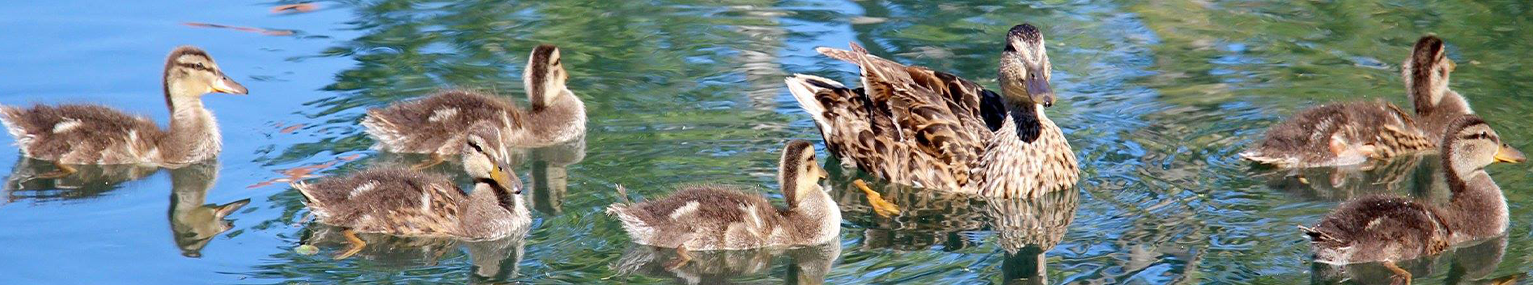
(1156, 100)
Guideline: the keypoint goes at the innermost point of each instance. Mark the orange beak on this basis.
(1508, 154)
(228, 86)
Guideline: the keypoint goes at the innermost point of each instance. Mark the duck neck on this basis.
(1477, 209)
(492, 212)
(194, 134)
(1028, 119)
(820, 216)
(561, 119)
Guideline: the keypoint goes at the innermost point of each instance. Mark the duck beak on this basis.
(228, 86)
(1041, 92)
(1508, 154)
(504, 180)
(821, 172)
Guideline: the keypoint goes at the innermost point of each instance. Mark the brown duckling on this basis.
(708, 217)
(84, 134)
(1358, 132)
(406, 202)
(1390, 228)
(918, 127)
(434, 125)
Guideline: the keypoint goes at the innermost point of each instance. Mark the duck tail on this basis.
(383, 131)
(1315, 235)
(806, 89)
(622, 195)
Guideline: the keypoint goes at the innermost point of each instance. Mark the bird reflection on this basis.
(1472, 264)
(806, 265)
(1415, 175)
(88, 181)
(192, 223)
(550, 173)
(1025, 229)
(492, 259)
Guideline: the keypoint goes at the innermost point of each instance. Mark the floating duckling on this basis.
(708, 217)
(434, 125)
(405, 202)
(82, 134)
(914, 126)
(1357, 132)
(1388, 229)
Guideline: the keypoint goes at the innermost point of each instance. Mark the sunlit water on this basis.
(1156, 99)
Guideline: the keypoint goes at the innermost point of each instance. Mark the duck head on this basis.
(799, 173)
(1025, 68)
(1426, 75)
(190, 72)
(484, 160)
(544, 76)
(1471, 144)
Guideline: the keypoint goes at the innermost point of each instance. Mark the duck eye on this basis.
(201, 66)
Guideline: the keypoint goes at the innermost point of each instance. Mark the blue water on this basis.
(1156, 100)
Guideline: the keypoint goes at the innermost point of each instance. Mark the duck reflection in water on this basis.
(192, 223)
(550, 173)
(1025, 229)
(492, 259)
(806, 264)
(1467, 264)
(1414, 175)
(27, 181)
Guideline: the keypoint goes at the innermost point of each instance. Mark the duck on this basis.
(714, 217)
(1389, 229)
(88, 134)
(434, 125)
(914, 126)
(407, 202)
(1354, 133)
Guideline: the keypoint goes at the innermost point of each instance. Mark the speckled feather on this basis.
(1379, 228)
(1367, 130)
(914, 126)
(390, 201)
(704, 217)
(82, 134)
(435, 124)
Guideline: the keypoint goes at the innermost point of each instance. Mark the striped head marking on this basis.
(798, 172)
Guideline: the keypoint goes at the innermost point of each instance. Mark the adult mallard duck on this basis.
(708, 217)
(434, 125)
(1389, 228)
(1357, 132)
(80, 134)
(407, 202)
(914, 126)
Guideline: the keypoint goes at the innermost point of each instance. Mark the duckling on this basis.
(434, 125)
(918, 127)
(83, 134)
(1358, 132)
(406, 202)
(708, 217)
(1390, 228)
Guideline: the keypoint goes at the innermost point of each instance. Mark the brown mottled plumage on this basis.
(1359, 132)
(91, 134)
(434, 124)
(708, 217)
(406, 202)
(914, 126)
(1389, 228)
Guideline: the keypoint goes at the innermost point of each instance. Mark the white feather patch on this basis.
(362, 189)
(684, 210)
(67, 125)
(442, 114)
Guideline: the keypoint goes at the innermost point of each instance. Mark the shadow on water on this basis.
(88, 181)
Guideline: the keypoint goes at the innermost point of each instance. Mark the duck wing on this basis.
(909, 125)
(388, 200)
(1340, 134)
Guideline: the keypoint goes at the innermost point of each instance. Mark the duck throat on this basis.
(1026, 117)
(503, 197)
(1477, 209)
(193, 135)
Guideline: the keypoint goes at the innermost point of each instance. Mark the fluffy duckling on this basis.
(1357, 132)
(719, 218)
(918, 127)
(81, 134)
(434, 125)
(406, 202)
(1389, 229)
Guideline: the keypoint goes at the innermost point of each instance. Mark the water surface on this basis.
(1156, 99)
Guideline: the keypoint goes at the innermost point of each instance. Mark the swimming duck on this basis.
(434, 125)
(710, 217)
(405, 202)
(1356, 132)
(83, 134)
(1390, 228)
(914, 126)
